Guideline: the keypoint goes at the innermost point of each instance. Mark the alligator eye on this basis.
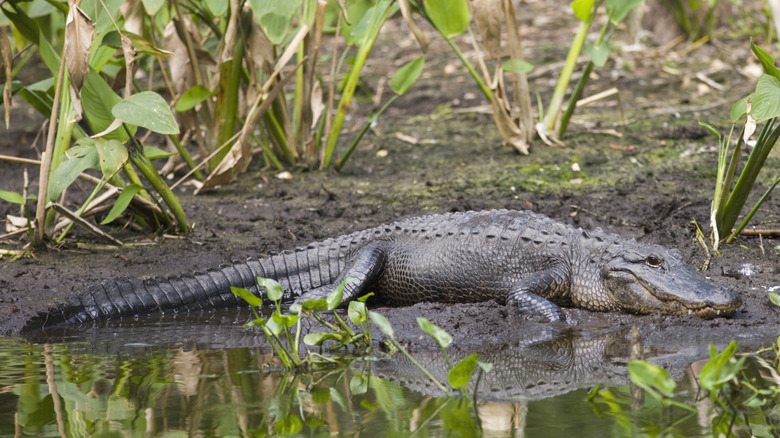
(653, 261)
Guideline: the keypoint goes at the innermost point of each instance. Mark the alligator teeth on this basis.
(690, 312)
(718, 313)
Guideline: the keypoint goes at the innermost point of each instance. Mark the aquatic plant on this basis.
(732, 189)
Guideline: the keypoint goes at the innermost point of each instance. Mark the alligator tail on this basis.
(128, 296)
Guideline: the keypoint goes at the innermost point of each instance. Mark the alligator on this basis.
(519, 258)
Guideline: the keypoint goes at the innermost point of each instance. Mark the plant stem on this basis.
(575, 96)
(371, 120)
(150, 173)
(571, 62)
(381, 13)
(485, 89)
(43, 188)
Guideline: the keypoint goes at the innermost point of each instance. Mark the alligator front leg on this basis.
(367, 267)
(528, 295)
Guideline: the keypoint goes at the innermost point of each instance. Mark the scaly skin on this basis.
(515, 257)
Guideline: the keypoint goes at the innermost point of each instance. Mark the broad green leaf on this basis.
(274, 289)
(383, 324)
(152, 152)
(97, 99)
(122, 201)
(739, 109)
(289, 425)
(275, 17)
(77, 159)
(460, 374)
(216, 7)
(101, 13)
(767, 62)
(316, 339)
(357, 312)
(437, 333)
(12, 197)
(273, 327)
(320, 395)
(486, 366)
(146, 109)
(618, 9)
(773, 297)
(597, 54)
(582, 8)
(652, 378)
(152, 6)
(766, 99)
(450, 17)
(49, 56)
(407, 75)
(37, 99)
(357, 11)
(22, 22)
(112, 154)
(516, 66)
(315, 305)
(192, 97)
(247, 296)
(368, 405)
(358, 384)
(143, 46)
(284, 320)
(721, 368)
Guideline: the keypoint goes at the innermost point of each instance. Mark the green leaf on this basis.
(383, 324)
(767, 62)
(368, 405)
(152, 6)
(334, 298)
(739, 109)
(97, 99)
(721, 368)
(77, 159)
(460, 374)
(618, 9)
(437, 333)
(147, 109)
(284, 320)
(516, 66)
(582, 8)
(22, 22)
(274, 289)
(365, 297)
(652, 378)
(152, 152)
(275, 17)
(315, 305)
(766, 99)
(192, 97)
(773, 297)
(289, 425)
(112, 154)
(316, 339)
(12, 197)
(122, 201)
(450, 17)
(357, 312)
(247, 296)
(486, 366)
(358, 384)
(216, 7)
(710, 128)
(597, 54)
(320, 395)
(407, 75)
(49, 56)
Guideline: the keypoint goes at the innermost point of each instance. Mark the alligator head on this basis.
(641, 278)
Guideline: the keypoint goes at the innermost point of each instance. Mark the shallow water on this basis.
(208, 376)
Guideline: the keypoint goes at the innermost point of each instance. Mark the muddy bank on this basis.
(648, 182)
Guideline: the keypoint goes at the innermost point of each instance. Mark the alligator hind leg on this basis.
(366, 268)
(531, 295)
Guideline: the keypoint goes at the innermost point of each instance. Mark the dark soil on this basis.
(648, 184)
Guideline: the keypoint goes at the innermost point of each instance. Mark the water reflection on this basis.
(128, 381)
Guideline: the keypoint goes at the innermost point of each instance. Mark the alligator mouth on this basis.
(704, 312)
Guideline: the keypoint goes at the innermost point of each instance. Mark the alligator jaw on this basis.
(679, 291)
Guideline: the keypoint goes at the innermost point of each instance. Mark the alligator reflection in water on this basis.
(229, 391)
